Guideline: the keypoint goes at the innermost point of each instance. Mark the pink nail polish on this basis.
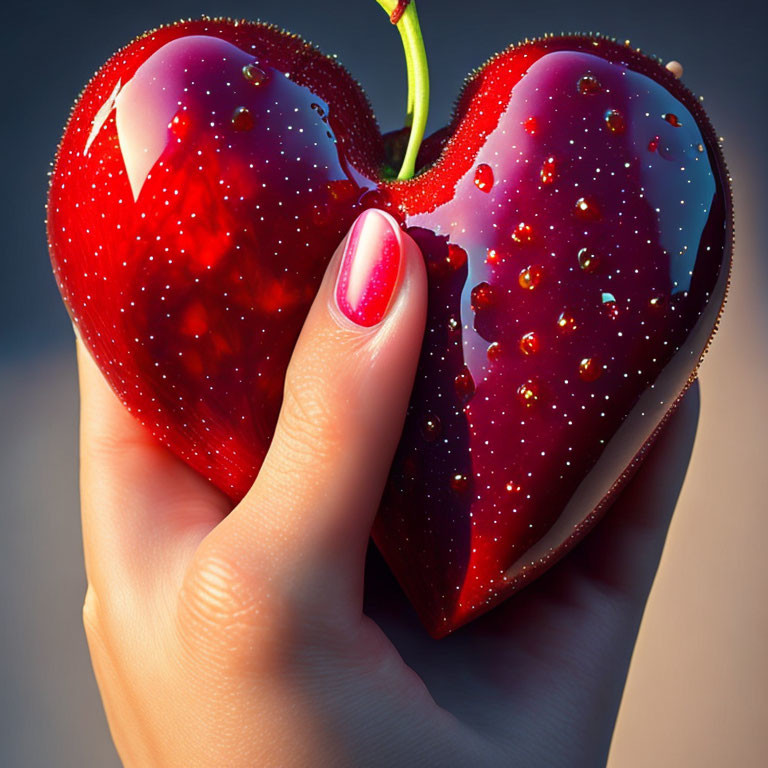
(369, 268)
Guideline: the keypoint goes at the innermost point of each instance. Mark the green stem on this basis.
(418, 82)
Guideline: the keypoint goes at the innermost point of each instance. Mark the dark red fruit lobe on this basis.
(609, 235)
(188, 241)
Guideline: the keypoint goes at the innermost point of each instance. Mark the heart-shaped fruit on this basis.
(576, 222)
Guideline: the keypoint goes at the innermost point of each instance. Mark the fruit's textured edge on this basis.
(707, 330)
(202, 18)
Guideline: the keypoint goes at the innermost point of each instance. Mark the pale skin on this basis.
(238, 637)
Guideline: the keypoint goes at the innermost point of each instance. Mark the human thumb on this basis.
(308, 515)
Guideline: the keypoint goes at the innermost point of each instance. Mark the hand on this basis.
(238, 638)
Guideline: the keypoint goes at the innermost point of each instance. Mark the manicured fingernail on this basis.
(369, 268)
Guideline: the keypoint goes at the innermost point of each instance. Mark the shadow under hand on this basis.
(543, 673)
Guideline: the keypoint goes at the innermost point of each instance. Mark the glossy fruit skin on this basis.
(546, 369)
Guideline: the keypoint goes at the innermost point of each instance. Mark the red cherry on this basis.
(188, 250)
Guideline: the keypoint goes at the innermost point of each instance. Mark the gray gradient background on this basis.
(696, 693)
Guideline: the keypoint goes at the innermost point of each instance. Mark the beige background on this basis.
(697, 692)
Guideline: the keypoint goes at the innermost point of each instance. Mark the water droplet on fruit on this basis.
(481, 297)
(566, 322)
(529, 343)
(588, 84)
(464, 385)
(528, 393)
(512, 487)
(586, 208)
(431, 428)
(456, 258)
(522, 233)
(453, 324)
(459, 483)
(254, 74)
(614, 121)
(492, 256)
(589, 261)
(590, 369)
(484, 177)
(180, 125)
(672, 119)
(530, 277)
(547, 173)
(610, 307)
(653, 144)
(657, 301)
(494, 351)
(242, 119)
(531, 125)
